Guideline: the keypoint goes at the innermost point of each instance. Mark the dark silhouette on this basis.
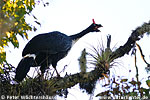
(47, 49)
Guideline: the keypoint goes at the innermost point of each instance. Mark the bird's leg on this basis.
(57, 72)
(54, 64)
(42, 68)
(42, 76)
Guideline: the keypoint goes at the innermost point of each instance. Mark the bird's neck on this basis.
(77, 36)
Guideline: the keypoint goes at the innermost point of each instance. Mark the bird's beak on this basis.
(97, 26)
(100, 25)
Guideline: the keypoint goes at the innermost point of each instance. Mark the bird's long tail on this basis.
(24, 67)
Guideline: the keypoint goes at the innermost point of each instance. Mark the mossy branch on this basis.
(136, 35)
(71, 80)
(82, 61)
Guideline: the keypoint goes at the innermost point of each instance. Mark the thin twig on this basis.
(137, 74)
(142, 55)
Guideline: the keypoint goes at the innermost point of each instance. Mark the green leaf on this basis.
(1, 71)
(133, 93)
(133, 82)
(146, 91)
(148, 83)
(123, 80)
(14, 41)
(29, 8)
(2, 57)
(103, 93)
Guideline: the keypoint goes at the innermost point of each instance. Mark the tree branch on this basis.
(142, 55)
(136, 35)
(71, 80)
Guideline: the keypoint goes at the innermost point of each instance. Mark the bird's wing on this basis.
(51, 43)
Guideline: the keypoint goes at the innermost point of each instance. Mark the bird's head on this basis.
(94, 27)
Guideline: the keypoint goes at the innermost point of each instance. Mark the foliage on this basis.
(37, 86)
(101, 59)
(13, 23)
(119, 87)
(123, 88)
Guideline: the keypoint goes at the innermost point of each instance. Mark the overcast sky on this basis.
(118, 17)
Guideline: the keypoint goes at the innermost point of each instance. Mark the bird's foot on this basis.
(58, 75)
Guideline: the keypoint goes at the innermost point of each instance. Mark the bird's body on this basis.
(50, 43)
(48, 49)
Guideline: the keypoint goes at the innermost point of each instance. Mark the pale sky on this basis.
(118, 17)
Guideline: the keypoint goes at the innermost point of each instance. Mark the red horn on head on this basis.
(93, 21)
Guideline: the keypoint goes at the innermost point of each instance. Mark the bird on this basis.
(47, 49)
